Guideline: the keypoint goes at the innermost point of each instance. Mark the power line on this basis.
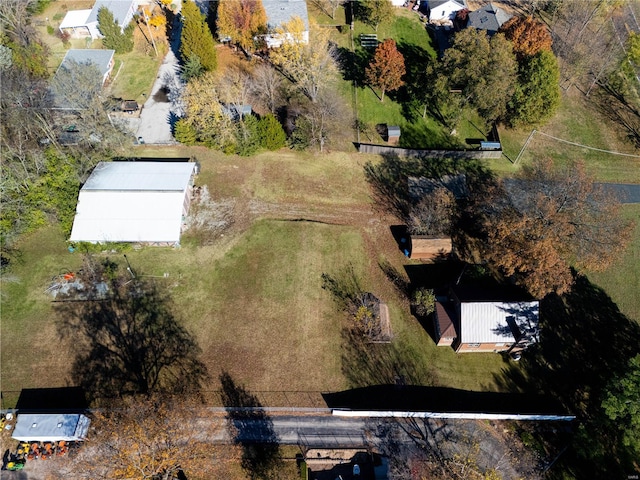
(588, 147)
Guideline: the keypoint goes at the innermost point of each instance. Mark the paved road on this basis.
(625, 192)
(313, 431)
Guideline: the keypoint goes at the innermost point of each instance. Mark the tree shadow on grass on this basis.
(353, 64)
(252, 429)
(366, 364)
(389, 178)
(585, 341)
(126, 338)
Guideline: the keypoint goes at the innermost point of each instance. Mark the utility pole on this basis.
(146, 20)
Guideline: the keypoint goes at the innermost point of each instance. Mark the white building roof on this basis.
(51, 427)
(75, 18)
(140, 176)
(133, 202)
(119, 8)
(493, 322)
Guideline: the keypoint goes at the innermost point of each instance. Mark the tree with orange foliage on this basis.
(241, 21)
(547, 220)
(386, 68)
(528, 35)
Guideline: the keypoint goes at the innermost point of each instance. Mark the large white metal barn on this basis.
(138, 202)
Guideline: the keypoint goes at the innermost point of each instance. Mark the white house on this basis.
(84, 23)
(138, 202)
(51, 427)
(443, 10)
(476, 320)
(280, 12)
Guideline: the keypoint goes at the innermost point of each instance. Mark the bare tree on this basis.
(15, 20)
(324, 120)
(267, 87)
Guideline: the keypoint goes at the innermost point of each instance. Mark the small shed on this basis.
(51, 427)
(393, 133)
(129, 106)
(429, 248)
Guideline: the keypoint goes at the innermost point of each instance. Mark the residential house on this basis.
(489, 18)
(84, 23)
(442, 11)
(138, 202)
(103, 59)
(280, 12)
(472, 319)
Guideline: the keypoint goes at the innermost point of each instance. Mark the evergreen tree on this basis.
(270, 133)
(196, 39)
(114, 38)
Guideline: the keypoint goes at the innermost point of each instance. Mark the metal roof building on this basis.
(51, 427)
(138, 202)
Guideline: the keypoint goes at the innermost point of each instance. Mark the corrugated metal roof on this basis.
(487, 322)
(140, 176)
(51, 427)
(128, 216)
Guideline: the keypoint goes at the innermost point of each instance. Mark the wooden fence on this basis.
(414, 152)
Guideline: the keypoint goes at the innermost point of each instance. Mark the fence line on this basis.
(414, 152)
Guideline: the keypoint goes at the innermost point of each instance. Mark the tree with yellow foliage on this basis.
(241, 21)
(308, 63)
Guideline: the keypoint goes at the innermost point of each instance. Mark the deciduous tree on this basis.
(267, 87)
(548, 219)
(484, 69)
(159, 438)
(241, 21)
(328, 6)
(528, 35)
(376, 12)
(311, 64)
(433, 214)
(386, 68)
(622, 404)
(204, 114)
(196, 39)
(537, 92)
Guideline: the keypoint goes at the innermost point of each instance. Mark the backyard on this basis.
(251, 292)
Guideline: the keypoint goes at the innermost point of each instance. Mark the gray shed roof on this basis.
(101, 58)
(119, 9)
(489, 18)
(281, 11)
(140, 176)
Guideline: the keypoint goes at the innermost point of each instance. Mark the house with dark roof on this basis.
(489, 18)
(280, 12)
(476, 319)
(84, 23)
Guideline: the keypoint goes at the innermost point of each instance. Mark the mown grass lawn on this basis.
(253, 298)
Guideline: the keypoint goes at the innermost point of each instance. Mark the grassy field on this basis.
(253, 297)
